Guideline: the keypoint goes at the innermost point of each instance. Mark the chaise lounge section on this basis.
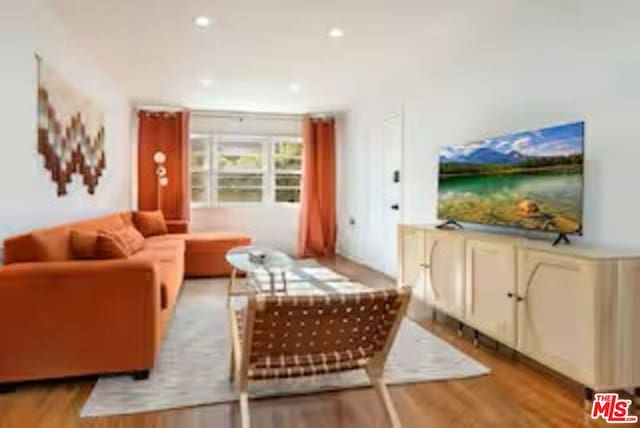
(61, 316)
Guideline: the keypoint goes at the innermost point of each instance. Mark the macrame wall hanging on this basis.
(70, 131)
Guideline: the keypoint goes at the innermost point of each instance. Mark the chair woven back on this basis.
(303, 335)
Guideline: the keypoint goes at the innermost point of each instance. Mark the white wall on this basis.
(540, 63)
(28, 195)
(272, 225)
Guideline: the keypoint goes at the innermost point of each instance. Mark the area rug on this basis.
(194, 362)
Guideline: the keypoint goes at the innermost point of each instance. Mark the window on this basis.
(200, 170)
(236, 169)
(287, 164)
(240, 171)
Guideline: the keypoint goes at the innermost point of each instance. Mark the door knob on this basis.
(510, 295)
(395, 207)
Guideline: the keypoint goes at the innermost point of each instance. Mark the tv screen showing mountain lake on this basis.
(531, 180)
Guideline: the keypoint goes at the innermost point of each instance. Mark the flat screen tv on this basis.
(531, 180)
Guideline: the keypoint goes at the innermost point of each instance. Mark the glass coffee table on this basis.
(274, 264)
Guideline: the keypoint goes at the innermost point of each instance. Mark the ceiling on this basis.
(255, 49)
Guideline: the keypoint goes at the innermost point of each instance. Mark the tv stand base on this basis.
(449, 224)
(562, 237)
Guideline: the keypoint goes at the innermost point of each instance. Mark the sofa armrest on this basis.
(78, 317)
(178, 226)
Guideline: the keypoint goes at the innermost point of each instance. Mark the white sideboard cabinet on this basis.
(575, 309)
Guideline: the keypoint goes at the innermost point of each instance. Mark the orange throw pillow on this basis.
(83, 244)
(52, 245)
(131, 238)
(150, 223)
(110, 246)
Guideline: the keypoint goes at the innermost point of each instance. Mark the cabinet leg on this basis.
(588, 399)
(476, 338)
(434, 315)
(460, 328)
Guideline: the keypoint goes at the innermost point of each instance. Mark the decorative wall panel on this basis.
(70, 131)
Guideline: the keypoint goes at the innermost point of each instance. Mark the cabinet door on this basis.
(490, 287)
(444, 265)
(557, 312)
(412, 267)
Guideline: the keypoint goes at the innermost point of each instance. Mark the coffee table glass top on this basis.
(281, 275)
(274, 261)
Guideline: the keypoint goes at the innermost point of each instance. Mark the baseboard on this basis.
(365, 263)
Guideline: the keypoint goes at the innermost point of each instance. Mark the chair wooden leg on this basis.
(375, 377)
(244, 410)
(385, 397)
(232, 365)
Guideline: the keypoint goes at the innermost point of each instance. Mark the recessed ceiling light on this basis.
(202, 21)
(294, 87)
(206, 82)
(336, 33)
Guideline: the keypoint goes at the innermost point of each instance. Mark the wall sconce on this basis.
(159, 158)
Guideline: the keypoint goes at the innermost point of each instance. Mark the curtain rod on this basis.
(233, 114)
(224, 114)
(158, 108)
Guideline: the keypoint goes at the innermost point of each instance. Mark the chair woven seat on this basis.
(278, 337)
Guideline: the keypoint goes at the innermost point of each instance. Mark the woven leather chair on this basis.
(279, 337)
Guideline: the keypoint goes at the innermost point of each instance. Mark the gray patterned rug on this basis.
(194, 362)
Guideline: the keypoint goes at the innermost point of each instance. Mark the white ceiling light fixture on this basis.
(336, 33)
(202, 21)
(294, 87)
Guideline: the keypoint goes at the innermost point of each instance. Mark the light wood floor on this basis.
(518, 393)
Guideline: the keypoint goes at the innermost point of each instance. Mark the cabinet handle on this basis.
(424, 265)
(518, 298)
(433, 250)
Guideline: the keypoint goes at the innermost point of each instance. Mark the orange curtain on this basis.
(168, 133)
(317, 229)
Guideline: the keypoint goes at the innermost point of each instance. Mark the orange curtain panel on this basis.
(167, 132)
(317, 233)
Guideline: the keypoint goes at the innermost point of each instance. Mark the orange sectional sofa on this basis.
(64, 317)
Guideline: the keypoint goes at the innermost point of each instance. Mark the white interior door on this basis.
(391, 191)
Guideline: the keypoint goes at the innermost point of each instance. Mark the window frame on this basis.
(268, 170)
